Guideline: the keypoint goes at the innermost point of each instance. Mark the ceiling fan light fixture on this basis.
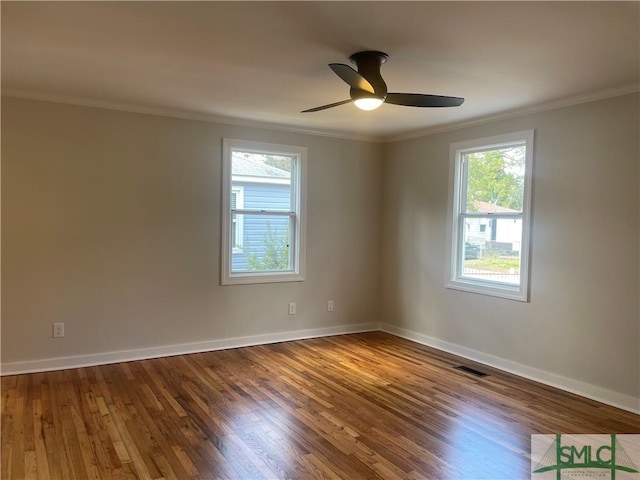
(368, 103)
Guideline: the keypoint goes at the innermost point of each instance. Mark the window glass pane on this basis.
(266, 180)
(492, 249)
(495, 180)
(265, 244)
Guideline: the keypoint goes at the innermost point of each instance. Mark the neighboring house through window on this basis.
(263, 212)
(237, 225)
(489, 215)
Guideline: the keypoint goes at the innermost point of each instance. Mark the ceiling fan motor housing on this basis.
(368, 64)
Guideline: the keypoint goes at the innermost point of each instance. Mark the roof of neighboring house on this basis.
(486, 207)
(251, 168)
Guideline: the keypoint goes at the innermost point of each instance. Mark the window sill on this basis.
(253, 278)
(483, 288)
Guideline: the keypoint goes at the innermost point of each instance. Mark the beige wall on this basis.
(583, 319)
(111, 224)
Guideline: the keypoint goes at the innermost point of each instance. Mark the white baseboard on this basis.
(77, 361)
(603, 395)
(609, 397)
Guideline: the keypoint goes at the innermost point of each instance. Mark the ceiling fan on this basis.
(368, 90)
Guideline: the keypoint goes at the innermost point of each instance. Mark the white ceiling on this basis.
(266, 61)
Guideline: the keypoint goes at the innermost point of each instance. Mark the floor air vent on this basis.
(472, 371)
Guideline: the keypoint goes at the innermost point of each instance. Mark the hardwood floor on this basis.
(351, 407)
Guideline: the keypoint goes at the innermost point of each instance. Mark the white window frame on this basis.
(455, 234)
(239, 221)
(297, 213)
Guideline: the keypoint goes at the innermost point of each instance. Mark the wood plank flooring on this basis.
(347, 407)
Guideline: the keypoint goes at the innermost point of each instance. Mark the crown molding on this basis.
(185, 115)
(518, 112)
(243, 122)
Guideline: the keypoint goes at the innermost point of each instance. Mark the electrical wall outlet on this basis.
(292, 308)
(58, 330)
(330, 306)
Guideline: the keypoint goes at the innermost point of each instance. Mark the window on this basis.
(489, 208)
(263, 209)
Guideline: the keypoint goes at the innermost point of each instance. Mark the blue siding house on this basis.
(259, 187)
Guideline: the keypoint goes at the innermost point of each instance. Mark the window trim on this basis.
(455, 235)
(298, 214)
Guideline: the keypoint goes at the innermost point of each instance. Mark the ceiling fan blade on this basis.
(324, 107)
(351, 77)
(420, 100)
